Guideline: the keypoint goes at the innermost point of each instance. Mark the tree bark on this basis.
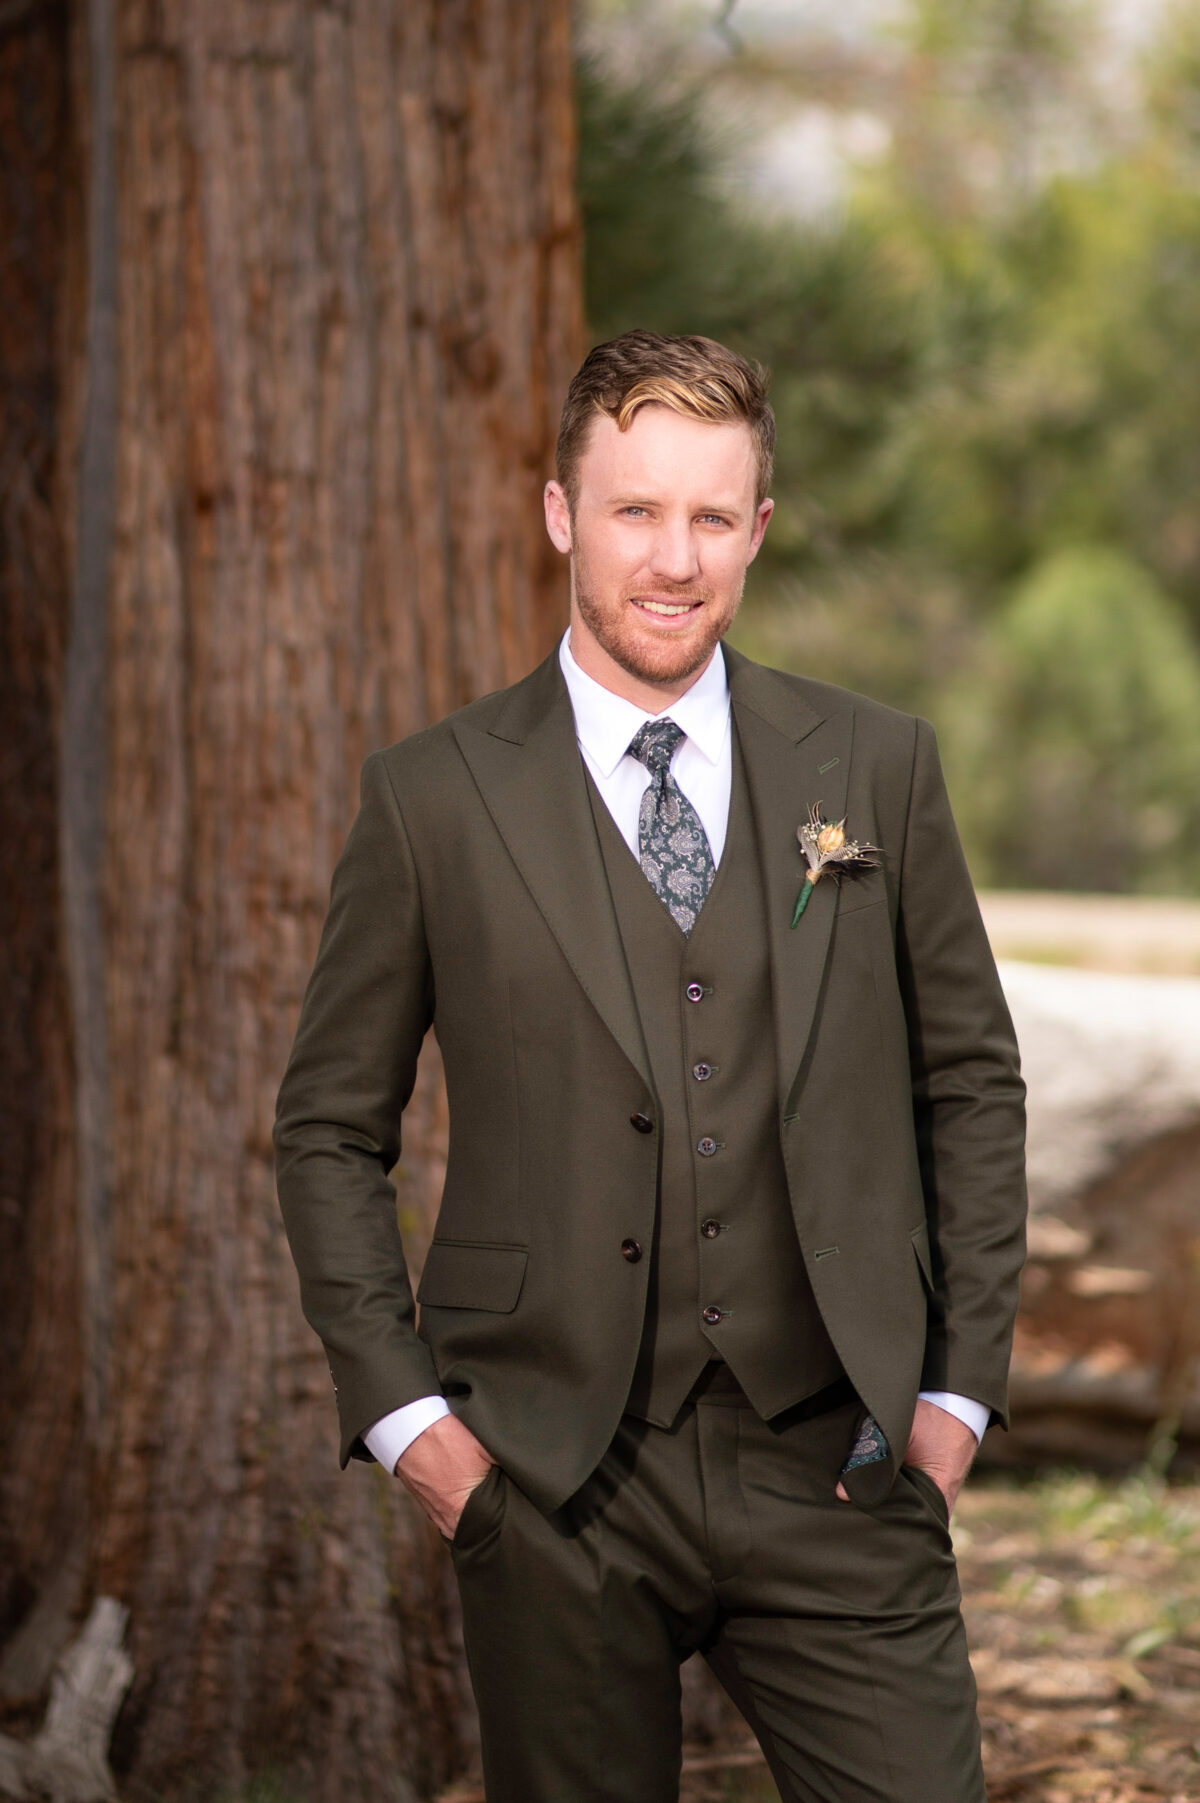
(344, 305)
(42, 1495)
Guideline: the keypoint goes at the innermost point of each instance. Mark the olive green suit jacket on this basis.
(472, 896)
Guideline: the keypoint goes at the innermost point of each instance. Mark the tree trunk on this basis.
(41, 1474)
(326, 305)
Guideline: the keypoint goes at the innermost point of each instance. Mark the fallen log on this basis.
(1106, 1359)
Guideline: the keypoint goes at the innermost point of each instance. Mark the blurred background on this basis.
(290, 292)
(965, 240)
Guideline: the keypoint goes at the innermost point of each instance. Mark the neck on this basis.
(651, 697)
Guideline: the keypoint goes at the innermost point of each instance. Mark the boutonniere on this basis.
(826, 847)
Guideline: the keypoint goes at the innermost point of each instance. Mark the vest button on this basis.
(710, 1228)
(694, 992)
(702, 1072)
(706, 1146)
(642, 1122)
(631, 1250)
(710, 1316)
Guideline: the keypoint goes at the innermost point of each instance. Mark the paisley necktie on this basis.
(673, 846)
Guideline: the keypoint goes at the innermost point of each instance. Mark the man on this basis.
(729, 1181)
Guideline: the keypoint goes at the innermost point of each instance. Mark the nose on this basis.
(675, 557)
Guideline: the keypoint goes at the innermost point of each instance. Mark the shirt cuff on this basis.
(972, 1414)
(393, 1434)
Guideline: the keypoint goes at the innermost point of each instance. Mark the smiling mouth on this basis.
(666, 610)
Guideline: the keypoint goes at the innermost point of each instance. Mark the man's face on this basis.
(664, 526)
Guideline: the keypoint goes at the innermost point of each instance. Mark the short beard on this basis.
(662, 665)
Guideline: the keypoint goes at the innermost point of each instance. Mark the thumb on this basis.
(842, 1493)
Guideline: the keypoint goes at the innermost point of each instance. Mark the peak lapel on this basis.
(794, 758)
(529, 771)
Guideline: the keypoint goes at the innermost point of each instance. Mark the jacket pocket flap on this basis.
(457, 1275)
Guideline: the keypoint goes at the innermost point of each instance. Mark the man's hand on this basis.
(441, 1468)
(943, 1446)
(940, 1444)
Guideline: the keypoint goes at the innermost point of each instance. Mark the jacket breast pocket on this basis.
(861, 889)
(460, 1275)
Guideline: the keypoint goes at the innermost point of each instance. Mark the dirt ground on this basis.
(1082, 1600)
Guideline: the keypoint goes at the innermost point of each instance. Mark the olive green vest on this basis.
(727, 1278)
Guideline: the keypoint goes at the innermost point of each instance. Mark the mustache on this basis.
(663, 591)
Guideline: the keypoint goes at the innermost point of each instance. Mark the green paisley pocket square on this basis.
(869, 1447)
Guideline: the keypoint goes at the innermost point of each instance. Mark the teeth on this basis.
(670, 608)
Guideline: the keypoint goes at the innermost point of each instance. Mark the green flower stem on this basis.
(802, 899)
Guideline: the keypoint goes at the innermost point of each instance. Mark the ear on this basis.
(558, 516)
(765, 510)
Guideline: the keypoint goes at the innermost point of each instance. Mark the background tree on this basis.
(1083, 731)
(292, 301)
(982, 356)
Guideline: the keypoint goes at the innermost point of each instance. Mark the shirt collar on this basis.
(605, 723)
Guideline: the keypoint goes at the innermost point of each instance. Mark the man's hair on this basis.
(694, 376)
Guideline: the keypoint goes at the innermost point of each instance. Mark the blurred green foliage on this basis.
(987, 381)
(1079, 733)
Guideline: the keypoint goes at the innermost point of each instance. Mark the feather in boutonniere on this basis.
(826, 847)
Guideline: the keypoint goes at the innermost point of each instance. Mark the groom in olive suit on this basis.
(720, 1295)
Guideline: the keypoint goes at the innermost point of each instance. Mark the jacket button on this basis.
(710, 1316)
(631, 1250)
(702, 1072)
(706, 1147)
(642, 1122)
(694, 992)
(710, 1228)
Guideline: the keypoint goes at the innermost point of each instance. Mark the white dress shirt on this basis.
(703, 768)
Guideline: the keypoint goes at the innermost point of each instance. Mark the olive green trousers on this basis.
(837, 1631)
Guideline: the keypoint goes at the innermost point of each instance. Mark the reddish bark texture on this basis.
(347, 306)
(41, 1488)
